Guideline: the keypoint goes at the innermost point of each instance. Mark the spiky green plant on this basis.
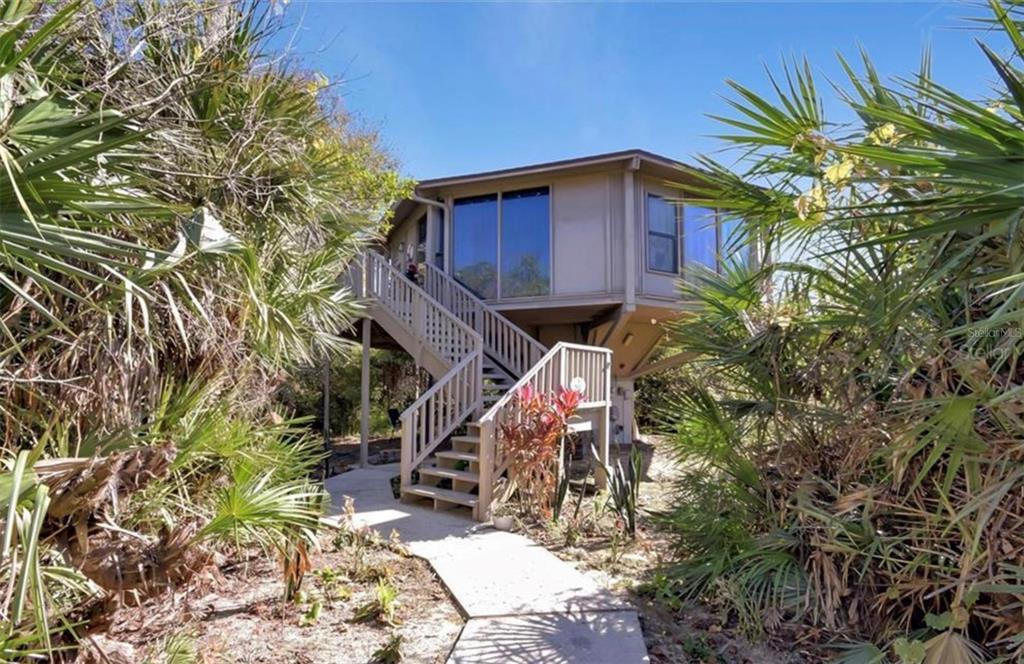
(853, 443)
(177, 203)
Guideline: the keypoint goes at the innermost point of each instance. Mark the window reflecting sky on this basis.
(475, 244)
(699, 236)
(525, 243)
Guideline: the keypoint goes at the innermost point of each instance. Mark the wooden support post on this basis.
(630, 236)
(327, 413)
(364, 419)
(602, 429)
(406, 454)
(485, 477)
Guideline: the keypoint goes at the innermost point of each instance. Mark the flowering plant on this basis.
(531, 442)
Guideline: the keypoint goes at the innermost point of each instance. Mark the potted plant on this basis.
(502, 517)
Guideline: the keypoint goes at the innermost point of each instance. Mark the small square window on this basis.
(661, 253)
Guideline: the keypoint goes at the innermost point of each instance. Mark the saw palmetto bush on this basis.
(177, 203)
(852, 436)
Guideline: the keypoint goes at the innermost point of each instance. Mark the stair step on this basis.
(458, 456)
(580, 425)
(446, 495)
(449, 473)
(467, 439)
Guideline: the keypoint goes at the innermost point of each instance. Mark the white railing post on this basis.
(485, 492)
(561, 368)
(503, 340)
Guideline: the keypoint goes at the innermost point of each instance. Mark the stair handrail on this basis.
(438, 411)
(456, 395)
(450, 337)
(568, 365)
(504, 341)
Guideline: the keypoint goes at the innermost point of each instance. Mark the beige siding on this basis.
(580, 256)
(403, 240)
(617, 238)
(588, 242)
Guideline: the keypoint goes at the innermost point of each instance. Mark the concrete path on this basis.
(522, 604)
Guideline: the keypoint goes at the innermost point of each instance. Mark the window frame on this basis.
(454, 268)
(501, 228)
(677, 238)
(499, 194)
(680, 205)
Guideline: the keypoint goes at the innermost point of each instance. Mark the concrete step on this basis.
(441, 495)
(449, 473)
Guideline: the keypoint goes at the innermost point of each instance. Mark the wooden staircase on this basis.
(479, 359)
(452, 477)
(497, 382)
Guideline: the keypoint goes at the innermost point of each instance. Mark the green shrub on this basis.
(853, 463)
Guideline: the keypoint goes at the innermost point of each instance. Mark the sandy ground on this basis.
(241, 617)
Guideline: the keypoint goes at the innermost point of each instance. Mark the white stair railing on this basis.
(504, 341)
(431, 323)
(587, 368)
(455, 395)
(438, 411)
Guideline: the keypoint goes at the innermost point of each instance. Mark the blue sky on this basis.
(455, 88)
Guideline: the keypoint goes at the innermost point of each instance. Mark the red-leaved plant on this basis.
(530, 441)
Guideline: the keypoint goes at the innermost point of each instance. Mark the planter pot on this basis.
(502, 522)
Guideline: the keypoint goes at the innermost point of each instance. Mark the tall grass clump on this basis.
(852, 437)
(177, 203)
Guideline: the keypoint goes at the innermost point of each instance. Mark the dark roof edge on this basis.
(551, 166)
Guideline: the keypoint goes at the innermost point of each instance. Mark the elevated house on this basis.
(554, 274)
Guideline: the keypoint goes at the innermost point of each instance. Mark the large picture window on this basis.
(525, 243)
(475, 244)
(662, 234)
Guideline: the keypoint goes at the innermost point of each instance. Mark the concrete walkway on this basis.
(522, 604)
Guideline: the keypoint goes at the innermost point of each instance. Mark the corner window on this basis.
(700, 237)
(680, 237)
(662, 234)
(733, 238)
(421, 240)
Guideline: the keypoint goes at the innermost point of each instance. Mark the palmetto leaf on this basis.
(869, 380)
